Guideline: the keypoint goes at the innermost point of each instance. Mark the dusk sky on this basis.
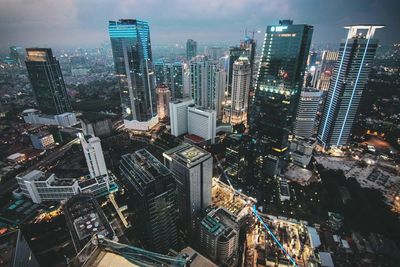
(84, 22)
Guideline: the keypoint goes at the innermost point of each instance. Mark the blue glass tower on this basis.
(279, 83)
(356, 54)
(131, 47)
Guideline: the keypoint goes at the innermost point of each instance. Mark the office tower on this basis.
(17, 55)
(308, 106)
(192, 169)
(234, 54)
(220, 89)
(47, 81)
(279, 82)
(191, 49)
(323, 73)
(312, 59)
(15, 251)
(207, 84)
(94, 155)
(131, 47)
(219, 236)
(356, 55)
(179, 116)
(163, 98)
(249, 45)
(84, 219)
(174, 79)
(240, 89)
(160, 71)
(202, 123)
(154, 199)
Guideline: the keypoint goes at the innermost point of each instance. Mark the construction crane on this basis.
(255, 212)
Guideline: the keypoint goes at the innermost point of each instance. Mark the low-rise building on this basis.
(42, 140)
(301, 150)
(33, 116)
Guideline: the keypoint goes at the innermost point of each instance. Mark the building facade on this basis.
(240, 90)
(154, 200)
(192, 169)
(131, 47)
(163, 99)
(356, 55)
(94, 156)
(305, 122)
(179, 116)
(202, 123)
(279, 83)
(323, 73)
(219, 236)
(47, 81)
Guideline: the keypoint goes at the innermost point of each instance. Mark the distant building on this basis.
(33, 116)
(219, 236)
(163, 99)
(207, 82)
(192, 169)
(84, 219)
(15, 251)
(202, 122)
(94, 155)
(174, 79)
(306, 115)
(17, 54)
(215, 52)
(356, 55)
(42, 140)
(47, 81)
(154, 201)
(191, 49)
(130, 42)
(240, 90)
(179, 116)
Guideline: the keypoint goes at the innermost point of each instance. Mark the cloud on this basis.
(77, 22)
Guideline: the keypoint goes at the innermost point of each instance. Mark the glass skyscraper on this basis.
(191, 49)
(279, 83)
(131, 47)
(350, 75)
(47, 81)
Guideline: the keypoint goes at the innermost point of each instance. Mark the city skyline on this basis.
(26, 24)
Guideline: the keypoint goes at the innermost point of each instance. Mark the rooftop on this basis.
(8, 243)
(196, 259)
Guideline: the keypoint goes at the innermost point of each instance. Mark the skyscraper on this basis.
(174, 79)
(207, 83)
(356, 55)
(192, 168)
(249, 45)
(163, 98)
(191, 49)
(305, 122)
(153, 199)
(240, 89)
(94, 155)
(279, 82)
(234, 53)
(323, 73)
(130, 42)
(47, 81)
(178, 111)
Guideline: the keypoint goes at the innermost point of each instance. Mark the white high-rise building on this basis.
(202, 122)
(207, 83)
(94, 155)
(307, 112)
(192, 168)
(179, 116)
(240, 89)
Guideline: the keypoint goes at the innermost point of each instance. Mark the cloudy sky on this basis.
(84, 22)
